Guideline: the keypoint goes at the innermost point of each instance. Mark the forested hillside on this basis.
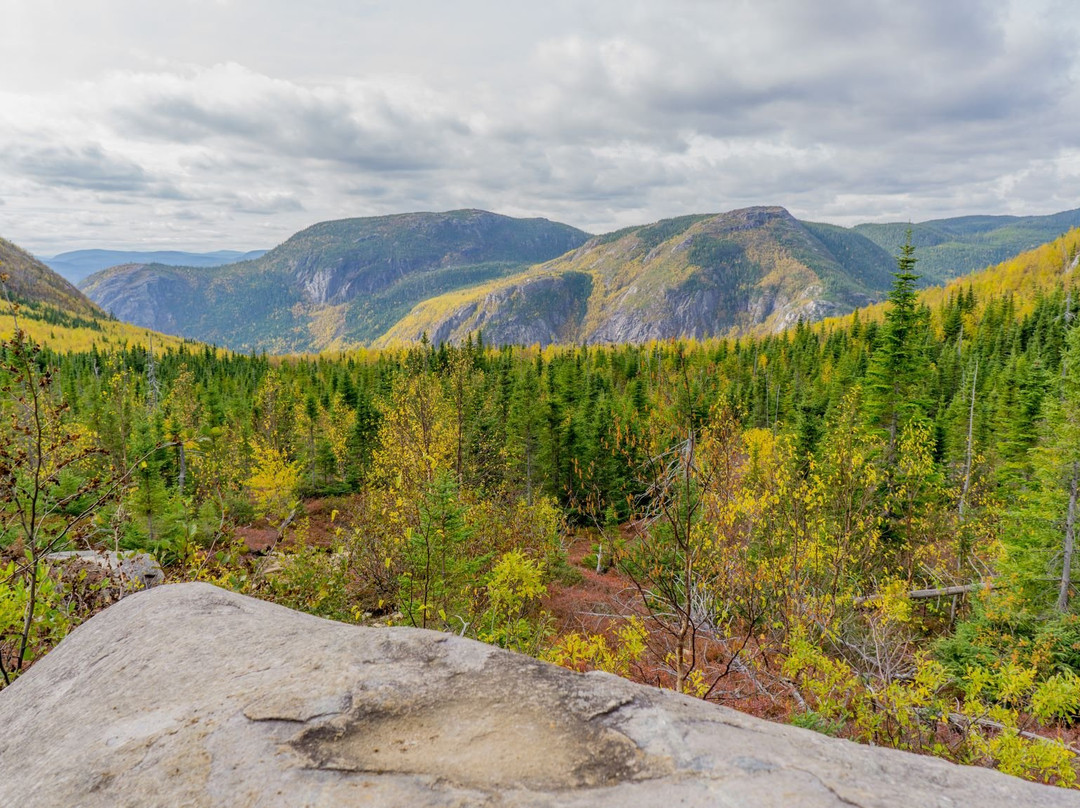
(335, 284)
(390, 279)
(746, 271)
(949, 248)
(29, 280)
(865, 526)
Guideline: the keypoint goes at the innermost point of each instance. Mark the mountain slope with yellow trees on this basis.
(52, 312)
(755, 269)
(1022, 280)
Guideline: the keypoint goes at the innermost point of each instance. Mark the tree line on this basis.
(774, 501)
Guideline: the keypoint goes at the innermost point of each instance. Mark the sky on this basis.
(231, 124)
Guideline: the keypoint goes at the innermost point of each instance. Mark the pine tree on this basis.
(898, 373)
(1041, 530)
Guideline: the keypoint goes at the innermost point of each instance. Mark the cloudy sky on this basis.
(212, 124)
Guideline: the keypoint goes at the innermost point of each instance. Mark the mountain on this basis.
(78, 264)
(31, 281)
(389, 279)
(1022, 280)
(949, 248)
(755, 269)
(53, 312)
(334, 284)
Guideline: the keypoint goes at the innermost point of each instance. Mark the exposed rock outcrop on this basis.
(361, 274)
(131, 569)
(190, 695)
(745, 271)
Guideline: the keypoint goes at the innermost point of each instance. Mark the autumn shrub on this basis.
(1059, 638)
(615, 654)
(997, 630)
(313, 580)
(513, 591)
(1057, 698)
(914, 714)
(49, 622)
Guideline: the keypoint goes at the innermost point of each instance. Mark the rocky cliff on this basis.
(332, 285)
(190, 695)
(745, 271)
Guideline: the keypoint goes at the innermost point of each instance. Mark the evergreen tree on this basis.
(896, 379)
(1041, 529)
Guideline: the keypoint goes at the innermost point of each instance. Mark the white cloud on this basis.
(232, 124)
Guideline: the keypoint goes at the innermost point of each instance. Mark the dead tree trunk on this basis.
(967, 459)
(1070, 533)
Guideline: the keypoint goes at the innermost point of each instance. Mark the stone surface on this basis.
(752, 270)
(190, 695)
(136, 570)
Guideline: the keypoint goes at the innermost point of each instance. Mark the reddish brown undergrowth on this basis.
(736, 671)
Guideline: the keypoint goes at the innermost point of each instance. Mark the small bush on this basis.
(1057, 699)
(815, 721)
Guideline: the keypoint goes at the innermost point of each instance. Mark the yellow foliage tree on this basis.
(416, 436)
(273, 483)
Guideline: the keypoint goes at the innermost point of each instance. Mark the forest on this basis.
(865, 526)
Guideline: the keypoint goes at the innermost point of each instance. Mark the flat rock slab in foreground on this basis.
(190, 695)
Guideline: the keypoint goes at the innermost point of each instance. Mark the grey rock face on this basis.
(136, 570)
(190, 695)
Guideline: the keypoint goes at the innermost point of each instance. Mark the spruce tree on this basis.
(897, 377)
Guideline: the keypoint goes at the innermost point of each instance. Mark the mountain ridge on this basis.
(387, 279)
(951, 248)
(696, 276)
(75, 265)
(332, 284)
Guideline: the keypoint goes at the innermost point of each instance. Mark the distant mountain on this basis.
(332, 285)
(78, 264)
(1022, 279)
(375, 281)
(696, 276)
(949, 248)
(31, 281)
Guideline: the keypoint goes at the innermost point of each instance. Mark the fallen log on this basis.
(942, 592)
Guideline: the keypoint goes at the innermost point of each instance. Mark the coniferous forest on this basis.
(864, 526)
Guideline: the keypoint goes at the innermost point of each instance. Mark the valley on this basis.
(381, 281)
(644, 453)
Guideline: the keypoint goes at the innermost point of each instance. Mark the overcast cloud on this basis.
(209, 124)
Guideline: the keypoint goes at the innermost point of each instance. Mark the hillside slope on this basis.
(52, 312)
(78, 264)
(949, 248)
(1022, 280)
(334, 284)
(756, 269)
(30, 281)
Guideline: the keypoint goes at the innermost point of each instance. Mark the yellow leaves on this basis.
(1014, 683)
(1048, 761)
(892, 603)
(515, 580)
(904, 714)
(583, 652)
(696, 685)
(1057, 698)
(416, 435)
(273, 483)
